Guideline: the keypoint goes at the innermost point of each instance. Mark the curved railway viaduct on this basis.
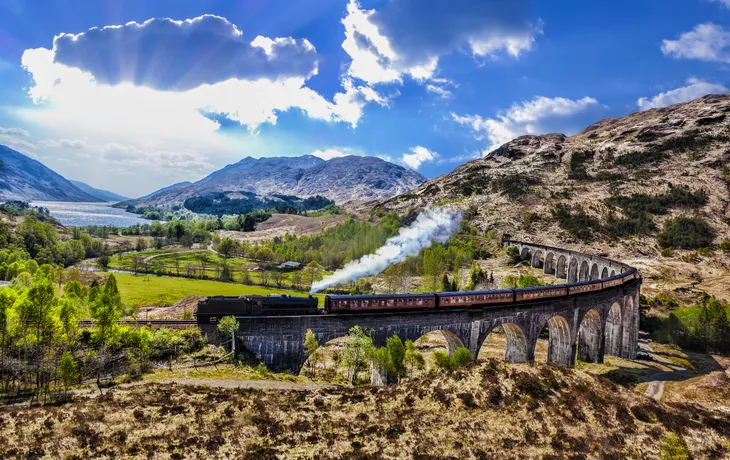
(589, 325)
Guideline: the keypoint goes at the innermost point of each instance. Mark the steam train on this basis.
(214, 308)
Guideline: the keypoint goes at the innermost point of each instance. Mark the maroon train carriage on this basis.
(541, 292)
(466, 299)
(362, 303)
(583, 287)
(616, 280)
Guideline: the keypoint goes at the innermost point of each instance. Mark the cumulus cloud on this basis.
(329, 154)
(14, 131)
(530, 117)
(418, 156)
(695, 88)
(725, 3)
(168, 161)
(706, 42)
(408, 37)
(180, 55)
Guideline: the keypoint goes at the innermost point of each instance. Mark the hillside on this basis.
(25, 179)
(606, 190)
(103, 195)
(490, 410)
(340, 179)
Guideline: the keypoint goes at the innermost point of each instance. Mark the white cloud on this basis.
(529, 117)
(418, 156)
(167, 161)
(329, 154)
(438, 90)
(67, 143)
(14, 131)
(695, 88)
(408, 37)
(726, 3)
(706, 42)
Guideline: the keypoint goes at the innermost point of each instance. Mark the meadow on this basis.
(144, 290)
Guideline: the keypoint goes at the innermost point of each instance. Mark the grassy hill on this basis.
(489, 410)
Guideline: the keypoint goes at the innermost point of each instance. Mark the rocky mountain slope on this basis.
(340, 179)
(103, 195)
(23, 178)
(608, 189)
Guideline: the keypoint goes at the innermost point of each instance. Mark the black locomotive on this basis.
(214, 308)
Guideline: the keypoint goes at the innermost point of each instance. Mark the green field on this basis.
(140, 290)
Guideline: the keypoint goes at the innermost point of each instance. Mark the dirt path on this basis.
(655, 382)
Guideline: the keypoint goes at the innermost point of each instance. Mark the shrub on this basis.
(514, 185)
(685, 233)
(673, 447)
(514, 254)
(461, 357)
(667, 252)
(576, 221)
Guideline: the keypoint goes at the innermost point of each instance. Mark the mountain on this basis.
(340, 179)
(23, 178)
(103, 195)
(609, 189)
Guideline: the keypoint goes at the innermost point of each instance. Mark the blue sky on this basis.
(174, 90)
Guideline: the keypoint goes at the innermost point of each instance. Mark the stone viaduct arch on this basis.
(589, 325)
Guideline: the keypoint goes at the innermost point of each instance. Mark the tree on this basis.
(265, 277)
(7, 300)
(226, 247)
(461, 357)
(357, 352)
(445, 283)
(397, 354)
(227, 326)
(312, 272)
(513, 255)
(311, 345)
(67, 370)
(103, 261)
(278, 276)
(413, 360)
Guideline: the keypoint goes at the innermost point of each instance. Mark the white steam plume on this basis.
(431, 225)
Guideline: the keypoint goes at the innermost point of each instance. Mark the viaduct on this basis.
(589, 325)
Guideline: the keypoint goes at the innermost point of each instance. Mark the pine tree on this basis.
(445, 284)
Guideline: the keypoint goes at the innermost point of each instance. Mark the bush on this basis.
(513, 254)
(576, 221)
(667, 252)
(461, 357)
(685, 233)
(515, 185)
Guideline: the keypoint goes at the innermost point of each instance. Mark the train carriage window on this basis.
(391, 302)
(410, 301)
(355, 304)
(420, 301)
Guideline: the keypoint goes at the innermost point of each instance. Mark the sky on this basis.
(132, 96)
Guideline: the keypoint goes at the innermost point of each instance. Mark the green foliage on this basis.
(220, 203)
(639, 158)
(523, 281)
(685, 232)
(673, 447)
(515, 185)
(461, 357)
(667, 252)
(227, 326)
(576, 221)
(397, 352)
(311, 344)
(67, 369)
(513, 254)
(705, 327)
(413, 359)
(578, 169)
(358, 352)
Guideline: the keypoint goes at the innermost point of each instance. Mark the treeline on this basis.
(220, 203)
(43, 349)
(702, 328)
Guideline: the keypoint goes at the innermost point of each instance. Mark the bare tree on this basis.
(265, 277)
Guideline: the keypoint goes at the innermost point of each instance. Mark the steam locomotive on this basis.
(214, 308)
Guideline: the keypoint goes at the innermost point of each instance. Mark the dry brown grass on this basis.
(485, 411)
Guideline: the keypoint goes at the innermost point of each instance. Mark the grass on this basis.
(140, 290)
(489, 410)
(221, 372)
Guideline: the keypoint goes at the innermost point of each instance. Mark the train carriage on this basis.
(540, 292)
(380, 302)
(473, 298)
(584, 287)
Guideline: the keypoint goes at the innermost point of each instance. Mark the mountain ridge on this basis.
(641, 156)
(340, 179)
(104, 195)
(25, 179)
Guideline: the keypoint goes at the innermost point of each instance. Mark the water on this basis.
(83, 214)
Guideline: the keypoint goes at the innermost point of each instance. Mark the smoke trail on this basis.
(431, 225)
